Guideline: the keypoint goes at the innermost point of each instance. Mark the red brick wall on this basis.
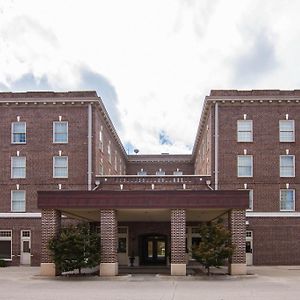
(275, 240)
(39, 150)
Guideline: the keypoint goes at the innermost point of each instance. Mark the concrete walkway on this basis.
(266, 283)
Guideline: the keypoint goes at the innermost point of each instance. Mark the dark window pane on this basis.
(5, 250)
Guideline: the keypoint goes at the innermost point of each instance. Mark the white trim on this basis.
(293, 122)
(12, 200)
(237, 130)
(237, 161)
(54, 165)
(53, 132)
(280, 165)
(20, 215)
(12, 167)
(12, 134)
(283, 214)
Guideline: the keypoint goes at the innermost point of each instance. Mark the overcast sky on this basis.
(152, 62)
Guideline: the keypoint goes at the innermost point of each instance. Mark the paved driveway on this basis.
(267, 283)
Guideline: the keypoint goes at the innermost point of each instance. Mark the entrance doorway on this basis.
(153, 249)
(25, 258)
(249, 248)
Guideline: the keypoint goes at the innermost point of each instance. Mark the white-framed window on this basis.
(109, 152)
(60, 167)
(18, 133)
(116, 161)
(6, 244)
(177, 172)
(60, 132)
(245, 166)
(250, 200)
(101, 171)
(287, 166)
(244, 131)
(160, 172)
(101, 140)
(142, 173)
(18, 201)
(18, 167)
(287, 200)
(286, 131)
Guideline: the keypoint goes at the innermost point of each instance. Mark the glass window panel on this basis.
(60, 132)
(5, 249)
(245, 165)
(287, 168)
(245, 133)
(18, 169)
(60, 166)
(18, 201)
(287, 131)
(19, 132)
(287, 200)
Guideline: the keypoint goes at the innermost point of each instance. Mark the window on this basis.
(177, 173)
(60, 167)
(244, 131)
(18, 167)
(18, 201)
(116, 161)
(142, 173)
(18, 133)
(245, 165)
(287, 200)
(101, 169)
(250, 200)
(60, 132)
(160, 172)
(286, 131)
(287, 166)
(101, 140)
(109, 152)
(5, 244)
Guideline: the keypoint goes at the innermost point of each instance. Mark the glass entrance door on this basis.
(154, 250)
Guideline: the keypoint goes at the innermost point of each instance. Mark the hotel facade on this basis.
(61, 159)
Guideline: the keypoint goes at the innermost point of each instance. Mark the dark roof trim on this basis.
(143, 199)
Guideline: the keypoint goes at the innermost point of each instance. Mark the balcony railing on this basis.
(153, 182)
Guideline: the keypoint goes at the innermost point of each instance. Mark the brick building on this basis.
(60, 155)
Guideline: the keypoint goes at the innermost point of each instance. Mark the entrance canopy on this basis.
(144, 205)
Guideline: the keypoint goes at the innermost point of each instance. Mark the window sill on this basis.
(19, 143)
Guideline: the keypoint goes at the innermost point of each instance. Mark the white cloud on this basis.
(162, 57)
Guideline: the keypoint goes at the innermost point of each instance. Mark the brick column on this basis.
(178, 256)
(109, 240)
(237, 227)
(51, 223)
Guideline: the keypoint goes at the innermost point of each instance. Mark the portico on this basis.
(167, 213)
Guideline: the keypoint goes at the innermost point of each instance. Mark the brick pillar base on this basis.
(109, 240)
(178, 257)
(51, 222)
(237, 227)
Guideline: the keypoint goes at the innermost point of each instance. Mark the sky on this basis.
(151, 61)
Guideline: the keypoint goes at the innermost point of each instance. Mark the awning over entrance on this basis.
(144, 199)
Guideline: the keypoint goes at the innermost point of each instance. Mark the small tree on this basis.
(215, 246)
(76, 247)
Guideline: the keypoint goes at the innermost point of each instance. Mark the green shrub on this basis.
(2, 263)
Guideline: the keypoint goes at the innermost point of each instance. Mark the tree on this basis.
(76, 247)
(215, 245)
